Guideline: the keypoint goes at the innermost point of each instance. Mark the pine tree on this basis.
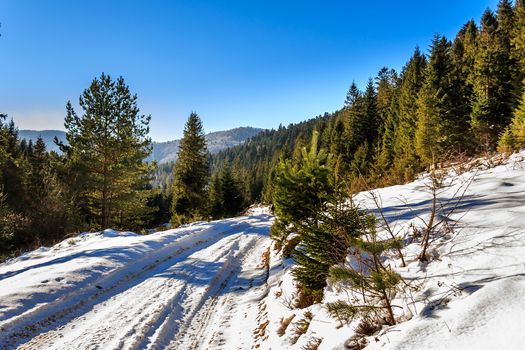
(361, 130)
(231, 193)
(301, 187)
(386, 85)
(518, 44)
(352, 95)
(215, 197)
(387, 103)
(367, 276)
(50, 211)
(190, 174)
(225, 196)
(106, 152)
(442, 120)
(463, 55)
(493, 84)
(14, 168)
(405, 158)
(314, 220)
(300, 192)
(513, 138)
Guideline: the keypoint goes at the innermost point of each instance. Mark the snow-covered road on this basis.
(179, 289)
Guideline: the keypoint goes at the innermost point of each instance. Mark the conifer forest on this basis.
(322, 189)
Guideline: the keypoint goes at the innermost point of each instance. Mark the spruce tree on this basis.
(106, 152)
(301, 190)
(231, 193)
(442, 120)
(361, 130)
(493, 83)
(412, 77)
(225, 196)
(387, 106)
(386, 85)
(513, 138)
(50, 211)
(190, 174)
(352, 95)
(518, 44)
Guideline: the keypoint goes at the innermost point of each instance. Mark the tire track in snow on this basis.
(163, 327)
(199, 327)
(48, 322)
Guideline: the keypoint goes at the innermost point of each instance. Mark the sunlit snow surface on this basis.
(210, 285)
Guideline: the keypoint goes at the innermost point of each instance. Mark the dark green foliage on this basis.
(406, 161)
(352, 95)
(314, 222)
(300, 194)
(513, 138)
(388, 110)
(34, 210)
(325, 243)
(105, 154)
(367, 277)
(190, 175)
(254, 162)
(442, 115)
(225, 196)
(518, 44)
(494, 91)
(50, 211)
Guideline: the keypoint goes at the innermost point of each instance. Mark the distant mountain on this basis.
(166, 152)
(163, 152)
(47, 135)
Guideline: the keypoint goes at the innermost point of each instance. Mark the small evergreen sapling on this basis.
(374, 285)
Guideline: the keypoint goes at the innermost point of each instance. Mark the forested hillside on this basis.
(162, 152)
(166, 152)
(394, 221)
(460, 98)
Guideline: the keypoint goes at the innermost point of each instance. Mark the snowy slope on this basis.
(219, 285)
(471, 295)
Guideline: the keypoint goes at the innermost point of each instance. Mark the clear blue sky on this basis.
(236, 63)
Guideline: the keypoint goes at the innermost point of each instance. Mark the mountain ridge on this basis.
(163, 152)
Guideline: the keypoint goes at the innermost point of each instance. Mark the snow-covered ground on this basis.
(471, 295)
(219, 285)
(177, 289)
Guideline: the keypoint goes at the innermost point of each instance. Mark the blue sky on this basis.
(236, 63)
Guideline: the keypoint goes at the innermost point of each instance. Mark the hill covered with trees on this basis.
(463, 97)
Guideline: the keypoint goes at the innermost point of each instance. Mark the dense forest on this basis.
(464, 97)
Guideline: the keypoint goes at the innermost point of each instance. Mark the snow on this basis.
(221, 285)
(111, 289)
(471, 295)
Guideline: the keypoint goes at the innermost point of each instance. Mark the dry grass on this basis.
(368, 327)
(285, 322)
(313, 343)
(303, 300)
(301, 327)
